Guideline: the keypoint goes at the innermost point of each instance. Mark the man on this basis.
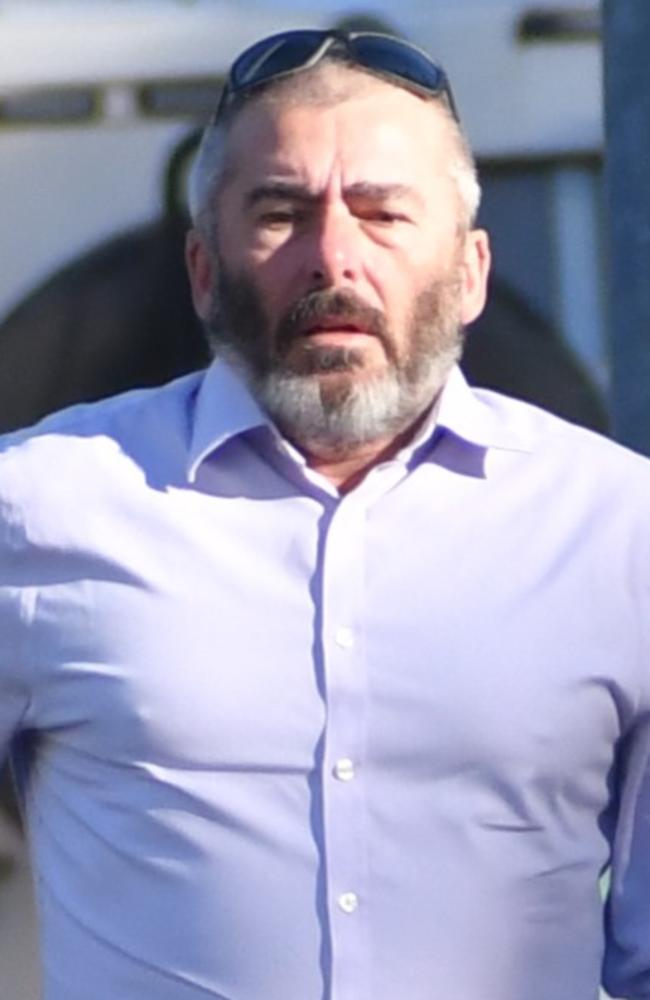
(327, 677)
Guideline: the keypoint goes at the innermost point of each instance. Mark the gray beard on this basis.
(366, 410)
(331, 403)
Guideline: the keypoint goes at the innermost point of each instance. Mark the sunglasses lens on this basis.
(394, 57)
(274, 56)
(290, 51)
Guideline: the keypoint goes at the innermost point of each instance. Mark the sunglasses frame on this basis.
(324, 40)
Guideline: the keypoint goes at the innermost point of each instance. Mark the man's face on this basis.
(342, 269)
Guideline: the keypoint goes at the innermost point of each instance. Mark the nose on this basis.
(333, 254)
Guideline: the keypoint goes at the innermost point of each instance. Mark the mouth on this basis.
(335, 326)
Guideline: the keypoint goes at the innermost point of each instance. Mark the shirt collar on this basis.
(483, 418)
(224, 409)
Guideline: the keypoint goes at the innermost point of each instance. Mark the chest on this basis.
(431, 637)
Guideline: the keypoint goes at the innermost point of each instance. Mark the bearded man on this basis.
(325, 676)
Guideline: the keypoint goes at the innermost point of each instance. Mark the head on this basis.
(334, 258)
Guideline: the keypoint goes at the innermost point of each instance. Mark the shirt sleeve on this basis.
(626, 970)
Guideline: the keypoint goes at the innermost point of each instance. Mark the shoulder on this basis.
(551, 437)
(109, 414)
(141, 432)
(534, 438)
(565, 473)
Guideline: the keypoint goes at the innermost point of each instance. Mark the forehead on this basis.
(382, 134)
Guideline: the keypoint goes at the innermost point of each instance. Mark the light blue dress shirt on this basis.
(279, 744)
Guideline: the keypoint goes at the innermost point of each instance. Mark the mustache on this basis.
(330, 304)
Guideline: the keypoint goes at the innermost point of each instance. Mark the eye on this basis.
(383, 216)
(279, 218)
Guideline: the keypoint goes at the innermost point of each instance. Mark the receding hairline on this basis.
(329, 84)
(331, 81)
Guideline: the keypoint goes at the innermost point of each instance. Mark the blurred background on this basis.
(100, 106)
(100, 102)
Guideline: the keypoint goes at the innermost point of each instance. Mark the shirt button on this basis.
(344, 637)
(348, 901)
(344, 769)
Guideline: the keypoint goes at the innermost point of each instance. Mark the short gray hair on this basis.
(311, 87)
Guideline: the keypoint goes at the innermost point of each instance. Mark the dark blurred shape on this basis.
(560, 24)
(365, 22)
(117, 318)
(174, 193)
(196, 98)
(512, 349)
(49, 106)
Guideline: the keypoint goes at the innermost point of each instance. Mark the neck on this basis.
(344, 467)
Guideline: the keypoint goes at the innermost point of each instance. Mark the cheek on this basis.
(396, 286)
(277, 274)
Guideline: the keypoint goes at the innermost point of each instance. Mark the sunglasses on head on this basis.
(292, 51)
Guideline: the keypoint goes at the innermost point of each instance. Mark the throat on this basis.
(346, 467)
(347, 471)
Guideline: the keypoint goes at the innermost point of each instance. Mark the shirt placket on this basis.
(343, 778)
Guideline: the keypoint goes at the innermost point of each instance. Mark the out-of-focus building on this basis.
(95, 95)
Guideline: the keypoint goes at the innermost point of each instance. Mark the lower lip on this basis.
(337, 336)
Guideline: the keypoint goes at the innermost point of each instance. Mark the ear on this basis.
(202, 271)
(476, 269)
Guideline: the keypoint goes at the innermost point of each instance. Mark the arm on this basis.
(626, 969)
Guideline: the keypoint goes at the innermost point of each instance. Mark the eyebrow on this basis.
(287, 191)
(380, 192)
(281, 191)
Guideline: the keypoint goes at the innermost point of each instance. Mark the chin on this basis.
(334, 361)
(350, 377)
